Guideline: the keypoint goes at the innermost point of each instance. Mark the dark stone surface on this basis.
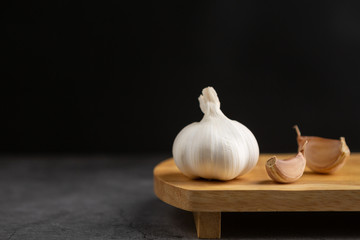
(111, 197)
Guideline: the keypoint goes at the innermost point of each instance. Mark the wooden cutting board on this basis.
(255, 192)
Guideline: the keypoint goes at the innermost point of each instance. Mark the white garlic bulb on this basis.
(216, 147)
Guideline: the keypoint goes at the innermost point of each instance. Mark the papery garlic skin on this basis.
(216, 147)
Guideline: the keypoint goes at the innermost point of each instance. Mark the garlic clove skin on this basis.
(216, 147)
(286, 171)
(324, 155)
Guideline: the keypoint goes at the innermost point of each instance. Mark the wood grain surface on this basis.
(255, 191)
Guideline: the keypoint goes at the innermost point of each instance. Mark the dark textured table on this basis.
(111, 197)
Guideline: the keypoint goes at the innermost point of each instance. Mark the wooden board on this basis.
(255, 191)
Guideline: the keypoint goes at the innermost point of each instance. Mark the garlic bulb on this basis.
(216, 147)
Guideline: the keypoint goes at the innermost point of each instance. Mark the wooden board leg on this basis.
(208, 224)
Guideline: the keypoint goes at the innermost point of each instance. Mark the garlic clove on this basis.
(324, 155)
(288, 170)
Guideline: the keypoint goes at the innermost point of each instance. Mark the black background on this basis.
(120, 77)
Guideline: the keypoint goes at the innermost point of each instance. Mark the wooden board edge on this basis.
(171, 195)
